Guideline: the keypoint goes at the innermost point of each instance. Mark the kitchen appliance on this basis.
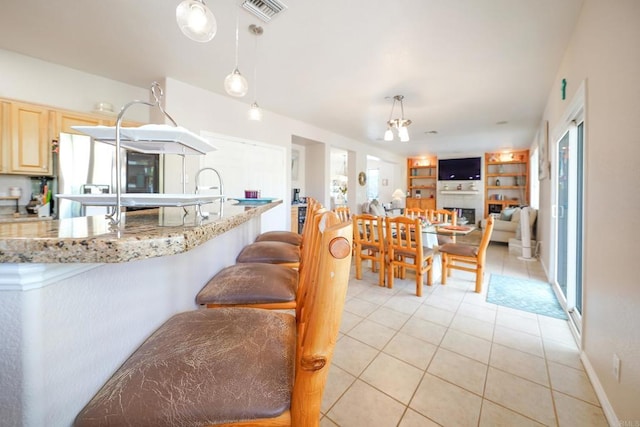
(295, 198)
(85, 166)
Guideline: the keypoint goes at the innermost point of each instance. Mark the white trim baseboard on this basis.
(609, 413)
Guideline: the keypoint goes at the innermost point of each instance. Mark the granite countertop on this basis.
(23, 218)
(146, 234)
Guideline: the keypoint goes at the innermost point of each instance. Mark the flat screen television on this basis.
(466, 169)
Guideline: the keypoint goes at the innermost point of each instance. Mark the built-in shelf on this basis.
(463, 192)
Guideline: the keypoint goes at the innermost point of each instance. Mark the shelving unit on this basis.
(422, 180)
(157, 139)
(506, 177)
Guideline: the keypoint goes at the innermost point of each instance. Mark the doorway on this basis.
(568, 212)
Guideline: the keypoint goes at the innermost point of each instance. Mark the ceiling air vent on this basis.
(266, 10)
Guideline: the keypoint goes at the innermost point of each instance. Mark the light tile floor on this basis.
(450, 358)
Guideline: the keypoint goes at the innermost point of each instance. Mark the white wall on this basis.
(200, 110)
(604, 52)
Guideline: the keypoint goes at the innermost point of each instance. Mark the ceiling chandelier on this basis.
(196, 21)
(400, 124)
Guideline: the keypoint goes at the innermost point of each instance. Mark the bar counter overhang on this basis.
(78, 298)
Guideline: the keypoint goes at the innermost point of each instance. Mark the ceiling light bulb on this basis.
(388, 135)
(196, 21)
(235, 84)
(403, 133)
(255, 113)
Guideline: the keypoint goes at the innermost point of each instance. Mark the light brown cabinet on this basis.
(4, 135)
(27, 132)
(30, 142)
(506, 182)
(422, 182)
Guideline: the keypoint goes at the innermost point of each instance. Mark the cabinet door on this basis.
(30, 148)
(4, 135)
(64, 121)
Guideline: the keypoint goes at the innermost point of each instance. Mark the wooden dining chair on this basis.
(415, 212)
(444, 216)
(260, 285)
(471, 257)
(368, 242)
(403, 237)
(275, 252)
(343, 212)
(290, 237)
(236, 366)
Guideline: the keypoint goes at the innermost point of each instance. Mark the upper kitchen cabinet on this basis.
(65, 119)
(30, 144)
(4, 134)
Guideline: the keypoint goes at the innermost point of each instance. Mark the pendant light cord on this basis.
(237, 32)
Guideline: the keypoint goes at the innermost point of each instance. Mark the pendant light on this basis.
(235, 84)
(255, 113)
(400, 124)
(196, 21)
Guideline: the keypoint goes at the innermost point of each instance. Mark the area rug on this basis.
(529, 295)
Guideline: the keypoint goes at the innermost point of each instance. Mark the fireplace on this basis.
(469, 214)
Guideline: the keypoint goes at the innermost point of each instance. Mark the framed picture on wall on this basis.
(543, 150)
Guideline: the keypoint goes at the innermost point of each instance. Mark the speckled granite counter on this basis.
(146, 234)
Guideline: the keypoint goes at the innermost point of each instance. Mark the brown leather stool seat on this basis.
(251, 284)
(270, 253)
(202, 367)
(280, 236)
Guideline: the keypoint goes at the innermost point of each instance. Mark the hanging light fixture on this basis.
(235, 84)
(255, 113)
(400, 124)
(196, 21)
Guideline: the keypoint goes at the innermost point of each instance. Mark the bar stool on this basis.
(289, 236)
(260, 285)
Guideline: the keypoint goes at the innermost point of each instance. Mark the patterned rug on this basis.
(524, 294)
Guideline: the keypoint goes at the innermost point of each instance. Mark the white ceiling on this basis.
(462, 65)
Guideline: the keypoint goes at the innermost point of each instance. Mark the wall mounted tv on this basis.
(467, 169)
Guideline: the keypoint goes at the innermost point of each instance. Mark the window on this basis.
(373, 183)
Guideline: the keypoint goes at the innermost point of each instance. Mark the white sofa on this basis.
(507, 224)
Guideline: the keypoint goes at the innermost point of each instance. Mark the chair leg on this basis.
(444, 268)
(479, 277)
(419, 278)
(430, 271)
(390, 271)
(381, 271)
(358, 265)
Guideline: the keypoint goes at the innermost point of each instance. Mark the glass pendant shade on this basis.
(196, 21)
(388, 135)
(255, 113)
(235, 84)
(403, 134)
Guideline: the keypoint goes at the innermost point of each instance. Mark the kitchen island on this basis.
(78, 298)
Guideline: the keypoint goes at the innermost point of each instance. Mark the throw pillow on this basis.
(516, 215)
(507, 213)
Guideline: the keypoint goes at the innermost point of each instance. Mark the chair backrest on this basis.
(415, 212)
(312, 206)
(368, 230)
(484, 243)
(404, 234)
(343, 212)
(319, 322)
(309, 248)
(443, 215)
